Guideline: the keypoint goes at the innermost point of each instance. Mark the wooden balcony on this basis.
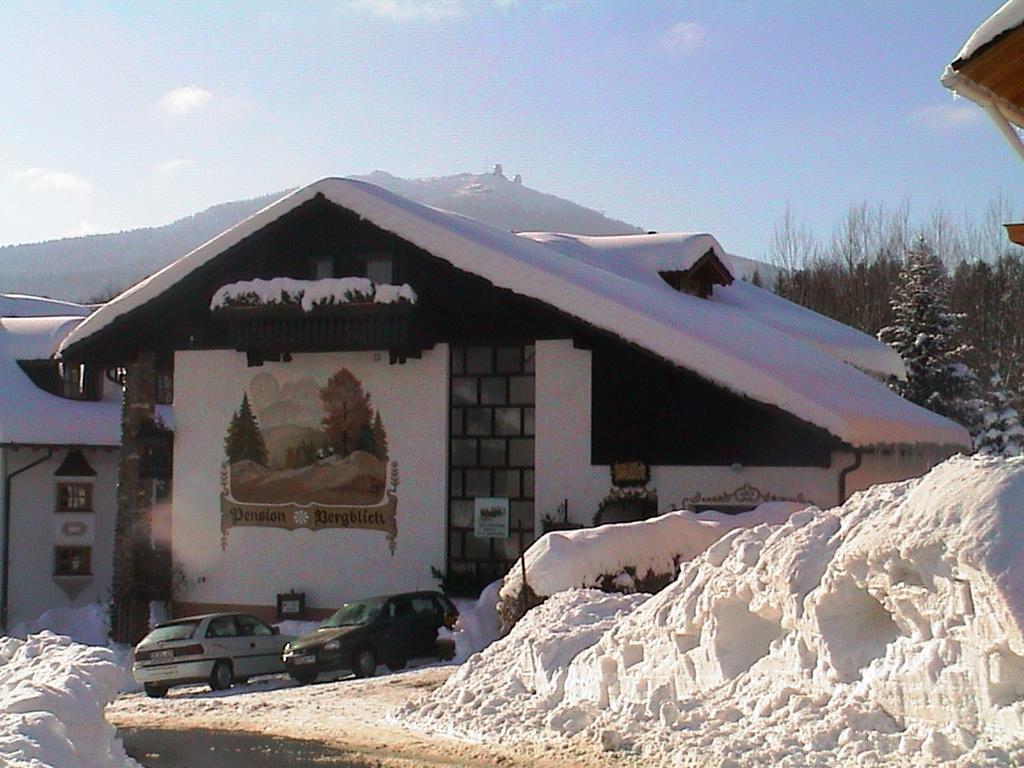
(339, 327)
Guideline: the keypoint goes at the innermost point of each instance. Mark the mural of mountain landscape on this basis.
(305, 442)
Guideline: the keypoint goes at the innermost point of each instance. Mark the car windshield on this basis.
(179, 630)
(353, 614)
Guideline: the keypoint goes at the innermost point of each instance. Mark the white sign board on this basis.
(490, 518)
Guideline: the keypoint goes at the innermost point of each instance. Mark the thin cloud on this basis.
(184, 99)
(423, 10)
(684, 36)
(82, 229)
(48, 180)
(410, 10)
(169, 167)
(946, 117)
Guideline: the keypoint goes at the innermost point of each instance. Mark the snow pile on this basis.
(625, 551)
(506, 689)
(310, 294)
(86, 625)
(887, 631)
(52, 695)
(478, 625)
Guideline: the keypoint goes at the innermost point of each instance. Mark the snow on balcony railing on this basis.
(310, 294)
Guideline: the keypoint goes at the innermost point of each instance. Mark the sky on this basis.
(670, 114)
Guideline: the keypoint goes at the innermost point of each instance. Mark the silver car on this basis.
(215, 648)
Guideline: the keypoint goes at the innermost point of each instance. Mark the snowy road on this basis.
(348, 717)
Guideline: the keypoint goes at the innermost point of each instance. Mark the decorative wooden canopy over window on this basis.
(700, 279)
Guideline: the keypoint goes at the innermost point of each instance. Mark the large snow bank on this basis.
(492, 693)
(87, 624)
(52, 695)
(582, 558)
(889, 630)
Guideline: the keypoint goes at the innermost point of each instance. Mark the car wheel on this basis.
(364, 663)
(220, 677)
(303, 678)
(155, 691)
(397, 663)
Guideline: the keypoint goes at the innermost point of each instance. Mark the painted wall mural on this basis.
(306, 454)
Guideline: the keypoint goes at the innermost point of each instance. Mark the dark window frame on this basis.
(63, 558)
(64, 508)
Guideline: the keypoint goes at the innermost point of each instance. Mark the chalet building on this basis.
(59, 462)
(989, 70)
(367, 391)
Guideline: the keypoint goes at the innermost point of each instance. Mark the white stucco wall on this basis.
(563, 454)
(330, 566)
(890, 465)
(36, 527)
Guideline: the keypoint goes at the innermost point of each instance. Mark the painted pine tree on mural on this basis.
(380, 438)
(244, 441)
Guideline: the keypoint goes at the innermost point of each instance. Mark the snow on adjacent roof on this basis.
(20, 305)
(1002, 111)
(640, 258)
(1009, 16)
(709, 338)
(636, 256)
(32, 416)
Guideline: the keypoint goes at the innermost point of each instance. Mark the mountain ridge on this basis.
(93, 268)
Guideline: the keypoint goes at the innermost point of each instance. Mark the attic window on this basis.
(701, 277)
(380, 268)
(321, 267)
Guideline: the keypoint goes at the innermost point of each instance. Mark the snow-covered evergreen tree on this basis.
(924, 332)
(1001, 432)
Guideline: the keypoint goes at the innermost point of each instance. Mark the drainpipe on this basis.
(858, 456)
(6, 573)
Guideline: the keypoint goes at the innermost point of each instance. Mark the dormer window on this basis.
(700, 278)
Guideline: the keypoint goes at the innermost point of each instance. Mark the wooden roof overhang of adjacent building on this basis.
(991, 74)
(998, 68)
(989, 70)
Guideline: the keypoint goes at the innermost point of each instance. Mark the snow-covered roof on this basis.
(1009, 16)
(20, 305)
(718, 342)
(32, 416)
(639, 258)
(1001, 109)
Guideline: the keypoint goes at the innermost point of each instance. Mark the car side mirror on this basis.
(275, 630)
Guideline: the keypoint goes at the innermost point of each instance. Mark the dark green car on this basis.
(364, 633)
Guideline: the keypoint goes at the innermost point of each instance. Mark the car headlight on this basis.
(332, 645)
(287, 648)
